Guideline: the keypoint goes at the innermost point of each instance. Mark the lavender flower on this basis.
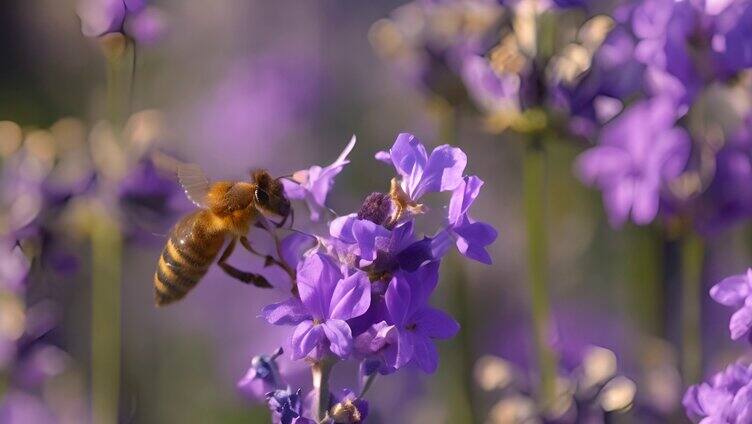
(471, 237)
(736, 291)
(361, 290)
(638, 154)
(416, 324)
(262, 377)
(144, 23)
(327, 300)
(727, 398)
(420, 173)
(287, 407)
(313, 184)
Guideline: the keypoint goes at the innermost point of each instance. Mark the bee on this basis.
(227, 210)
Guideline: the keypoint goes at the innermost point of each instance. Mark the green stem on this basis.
(106, 246)
(692, 258)
(534, 192)
(462, 404)
(644, 253)
(367, 386)
(321, 371)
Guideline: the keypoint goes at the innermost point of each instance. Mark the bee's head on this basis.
(269, 195)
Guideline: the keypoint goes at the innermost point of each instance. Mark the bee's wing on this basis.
(194, 182)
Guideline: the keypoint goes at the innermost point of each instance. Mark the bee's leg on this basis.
(281, 223)
(268, 259)
(245, 277)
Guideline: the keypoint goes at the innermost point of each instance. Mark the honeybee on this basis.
(227, 209)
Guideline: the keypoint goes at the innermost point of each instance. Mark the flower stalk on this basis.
(106, 245)
(534, 192)
(692, 259)
(463, 395)
(320, 371)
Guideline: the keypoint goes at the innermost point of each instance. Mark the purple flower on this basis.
(262, 377)
(382, 249)
(736, 291)
(732, 38)
(663, 28)
(727, 398)
(13, 266)
(492, 92)
(365, 237)
(416, 323)
(313, 184)
(19, 407)
(421, 173)
(327, 300)
(638, 154)
(471, 237)
(287, 407)
(100, 17)
(378, 347)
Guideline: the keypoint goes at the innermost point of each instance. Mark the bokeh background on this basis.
(240, 84)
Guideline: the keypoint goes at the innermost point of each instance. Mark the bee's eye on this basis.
(261, 197)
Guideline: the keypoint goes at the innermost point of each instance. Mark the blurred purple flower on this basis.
(327, 300)
(420, 173)
(492, 92)
(663, 28)
(416, 323)
(638, 154)
(313, 184)
(348, 408)
(727, 398)
(19, 407)
(728, 198)
(736, 291)
(14, 266)
(732, 37)
(133, 17)
(262, 377)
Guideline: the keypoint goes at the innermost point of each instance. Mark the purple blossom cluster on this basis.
(29, 356)
(361, 290)
(675, 55)
(615, 64)
(727, 396)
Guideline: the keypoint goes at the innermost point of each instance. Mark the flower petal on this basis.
(463, 197)
(399, 353)
(289, 312)
(740, 322)
(340, 337)
(351, 297)
(317, 277)
(408, 155)
(425, 354)
(443, 171)
(732, 290)
(293, 246)
(397, 299)
(435, 324)
(305, 339)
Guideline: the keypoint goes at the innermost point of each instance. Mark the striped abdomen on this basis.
(185, 259)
